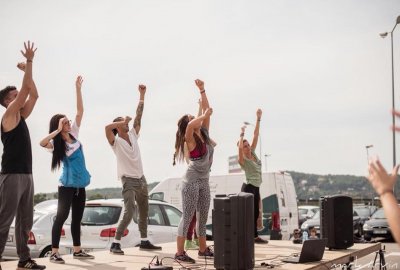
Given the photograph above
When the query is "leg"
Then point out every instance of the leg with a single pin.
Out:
(248, 188)
(65, 195)
(129, 197)
(203, 206)
(78, 206)
(24, 218)
(142, 199)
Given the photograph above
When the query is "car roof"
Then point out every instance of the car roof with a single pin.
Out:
(117, 202)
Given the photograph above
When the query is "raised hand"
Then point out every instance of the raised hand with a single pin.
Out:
(128, 119)
(208, 112)
(61, 123)
(21, 66)
(78, 82)
(259, 113)
(380, 180)
(29, 53)
(142, 89)
(199, 84)
(243, 128)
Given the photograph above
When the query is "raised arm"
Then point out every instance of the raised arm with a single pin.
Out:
(139, 110)
(33, 96)
(204, 102)
(383, 183)
(114, 125)
(46, 141)
(200, 112)
(256, 130)
(79, 101)
(9, 118)
(194, 124)
(240, 147)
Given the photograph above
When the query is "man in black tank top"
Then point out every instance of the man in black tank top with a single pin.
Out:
(16, 182)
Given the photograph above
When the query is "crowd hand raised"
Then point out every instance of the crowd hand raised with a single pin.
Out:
(380, 180)
(78, 82)
(142, 89)
(259, 113)
(199, 84)
(21, 66)
(29, 53)
(243, 128)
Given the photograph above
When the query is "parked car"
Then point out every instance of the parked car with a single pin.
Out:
(306, 212)
(315, 222)
(377, 226)
(39, 240)
(365, 212)
(100, 221)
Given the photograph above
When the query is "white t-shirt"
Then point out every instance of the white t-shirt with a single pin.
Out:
(71, 147)
(129, 161)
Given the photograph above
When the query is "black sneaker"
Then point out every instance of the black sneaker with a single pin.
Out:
(30, 264)
(56, 258)
(146, 245)
(116, 249)
(184, 258)
(259, 240)
(82, 255)
(206, 254)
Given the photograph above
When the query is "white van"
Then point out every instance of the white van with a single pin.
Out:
(279, 201)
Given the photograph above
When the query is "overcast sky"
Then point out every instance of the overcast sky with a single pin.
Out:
(318, 70)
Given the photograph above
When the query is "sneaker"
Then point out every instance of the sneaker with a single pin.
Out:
(259, 240)
(30, 264)
(82, 255)
(206, 253)
(146, 245)
(116, 249)
(191, 244)
(56, 258)
(184, 258)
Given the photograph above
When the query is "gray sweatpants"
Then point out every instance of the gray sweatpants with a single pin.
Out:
(16, 200)
(134, 189)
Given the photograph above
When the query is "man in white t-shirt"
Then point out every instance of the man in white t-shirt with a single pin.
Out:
(130, 172)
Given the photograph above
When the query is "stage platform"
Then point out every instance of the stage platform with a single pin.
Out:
(271, 253)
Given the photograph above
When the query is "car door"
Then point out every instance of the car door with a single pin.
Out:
(173, 215)
(157, 229)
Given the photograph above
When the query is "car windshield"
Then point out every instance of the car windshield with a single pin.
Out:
(37, 215)
(362, 212)
(316, 215)
(303, 211)
(94, 215)
(379, 214)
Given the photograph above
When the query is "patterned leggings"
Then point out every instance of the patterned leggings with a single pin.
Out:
(195, 197)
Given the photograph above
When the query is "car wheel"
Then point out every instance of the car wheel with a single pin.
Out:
(367, 238)
(360, 231)
(46, 252)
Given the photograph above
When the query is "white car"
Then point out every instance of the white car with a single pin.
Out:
(306, 212)
(40, 237)
(100, 221)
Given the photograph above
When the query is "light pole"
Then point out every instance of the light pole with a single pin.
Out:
(265, 156)
(367, 147)
(383, 35)
(259, 138)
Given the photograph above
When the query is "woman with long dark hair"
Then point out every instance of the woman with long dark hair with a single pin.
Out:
(195, 188)
(67, 150)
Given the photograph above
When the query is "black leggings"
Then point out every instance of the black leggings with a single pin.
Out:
(248, 188)
(68, 196)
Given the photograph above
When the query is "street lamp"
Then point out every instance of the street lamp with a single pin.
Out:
(265, 156)
(259, 138)
(367, 147)
(383, 35)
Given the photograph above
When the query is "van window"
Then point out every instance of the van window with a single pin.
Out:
(159, 196)
(174, 215)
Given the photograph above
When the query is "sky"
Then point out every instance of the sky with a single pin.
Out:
(318, 69)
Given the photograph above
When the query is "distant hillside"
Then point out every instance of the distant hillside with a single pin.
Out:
(312, 186)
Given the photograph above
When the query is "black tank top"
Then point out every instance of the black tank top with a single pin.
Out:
(17, 151)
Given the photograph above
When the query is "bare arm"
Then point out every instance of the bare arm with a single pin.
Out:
(110, 127)
(45, 142)
(33, 96)
(192, 125)
(79, 101)
(383, 183)
(240, 147)
(200, 112)
(204, 102)
(11, 116)
(256, 130)
(139, 110)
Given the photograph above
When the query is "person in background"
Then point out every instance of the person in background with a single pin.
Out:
(67, 150)
(130, 172)
(16, 181)
(251, 165)
(313, 233)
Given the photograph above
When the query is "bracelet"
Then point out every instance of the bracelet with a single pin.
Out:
(202, 91)
(241, 134)
(29, 61)
(386, 191)
(258, 120)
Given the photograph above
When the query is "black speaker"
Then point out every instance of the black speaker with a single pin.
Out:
(233, 232)
(337, 221)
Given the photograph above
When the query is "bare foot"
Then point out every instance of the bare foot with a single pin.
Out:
(21, 66)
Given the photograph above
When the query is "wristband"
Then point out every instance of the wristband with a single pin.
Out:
(386, 191)
(202, 91)
(29, 61)
(241, 134)
(258, 120)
